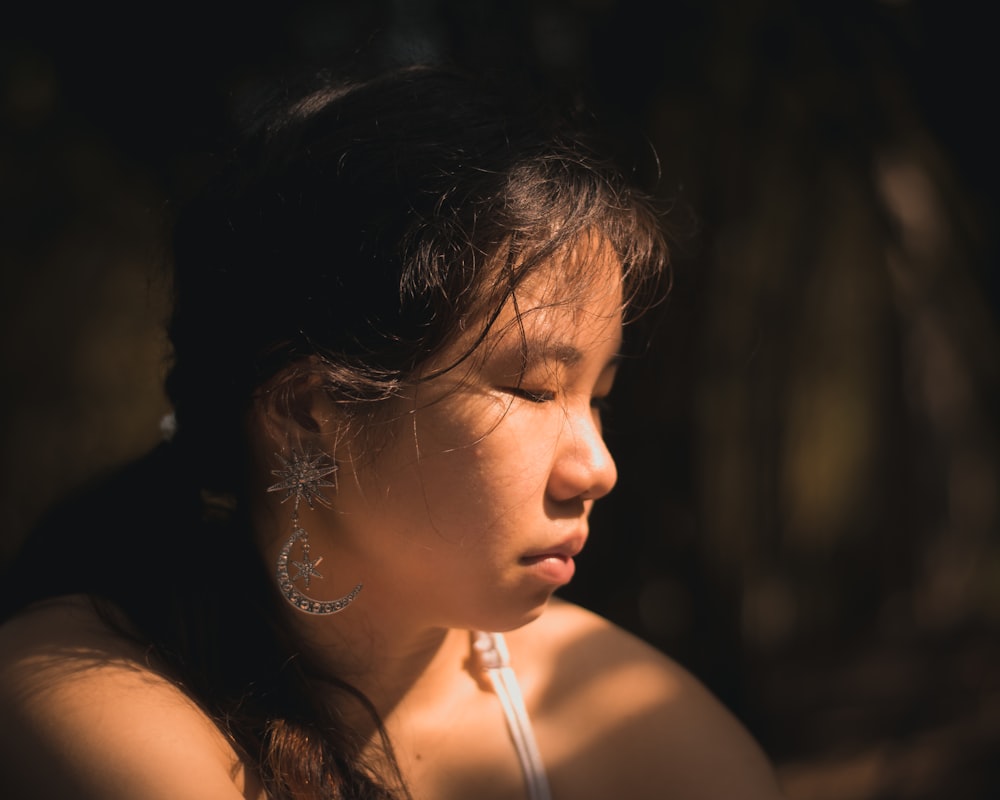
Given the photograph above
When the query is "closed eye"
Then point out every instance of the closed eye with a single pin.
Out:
(531, 395)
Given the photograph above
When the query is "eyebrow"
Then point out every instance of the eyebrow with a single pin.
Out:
(565, 354)
(556, 352)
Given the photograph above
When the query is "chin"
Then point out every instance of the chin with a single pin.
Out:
(520, 618)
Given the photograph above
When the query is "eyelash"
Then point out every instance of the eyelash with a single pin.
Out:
(532, 396)
(599, 404)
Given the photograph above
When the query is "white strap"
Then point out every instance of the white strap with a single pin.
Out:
(495, 659)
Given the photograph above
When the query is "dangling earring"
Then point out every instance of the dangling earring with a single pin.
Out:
(303, 476)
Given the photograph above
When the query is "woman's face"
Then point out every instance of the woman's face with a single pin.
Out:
(471, 515)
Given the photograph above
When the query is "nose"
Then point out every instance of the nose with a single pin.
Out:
(583, 466)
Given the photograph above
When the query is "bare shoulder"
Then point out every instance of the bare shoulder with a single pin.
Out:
(86, 716)
(617, 718)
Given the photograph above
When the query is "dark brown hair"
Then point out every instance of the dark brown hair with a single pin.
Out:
(356, 227)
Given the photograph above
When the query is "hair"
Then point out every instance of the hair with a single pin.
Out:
(355, 230)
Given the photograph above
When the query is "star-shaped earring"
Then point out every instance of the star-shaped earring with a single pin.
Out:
(306, 568)
(302, 477)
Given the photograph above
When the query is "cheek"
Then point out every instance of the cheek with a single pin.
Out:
(513, 461)
(477, 487)
(473, 459)
(461, 423)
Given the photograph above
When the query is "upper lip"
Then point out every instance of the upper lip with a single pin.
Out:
(567, 548)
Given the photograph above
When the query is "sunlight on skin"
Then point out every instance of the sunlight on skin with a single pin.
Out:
(77, 692)
(488, 464)
(624, 720)
(467, 519)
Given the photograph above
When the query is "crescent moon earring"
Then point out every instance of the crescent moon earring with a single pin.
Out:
(303, 476)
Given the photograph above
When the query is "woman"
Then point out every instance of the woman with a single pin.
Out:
(398, 311)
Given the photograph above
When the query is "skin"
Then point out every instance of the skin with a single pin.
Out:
(465, 520)
(488, 470)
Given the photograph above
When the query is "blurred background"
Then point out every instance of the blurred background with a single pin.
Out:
(809, 501)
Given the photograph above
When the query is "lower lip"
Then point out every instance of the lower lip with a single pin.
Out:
(551, 568)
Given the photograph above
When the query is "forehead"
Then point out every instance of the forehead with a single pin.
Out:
(559, 314)
(564, 307)
(581, 286)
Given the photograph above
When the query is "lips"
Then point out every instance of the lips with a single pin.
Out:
(543, 557)
(554, 566)
(563, 551)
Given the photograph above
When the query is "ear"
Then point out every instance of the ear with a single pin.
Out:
(295, 409)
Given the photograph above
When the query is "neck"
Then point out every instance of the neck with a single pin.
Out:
(394, 664)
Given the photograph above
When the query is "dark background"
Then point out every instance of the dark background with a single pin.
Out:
(809, 501)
